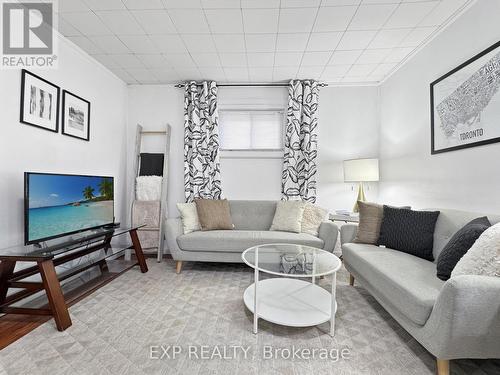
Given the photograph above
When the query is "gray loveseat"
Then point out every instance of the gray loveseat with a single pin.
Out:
(252, 220)
(458, 318)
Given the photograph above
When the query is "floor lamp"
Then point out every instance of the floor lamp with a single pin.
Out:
(360, 171)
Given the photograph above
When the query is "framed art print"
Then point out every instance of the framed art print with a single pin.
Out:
(75, 116)
(39, 102)
(465, 104)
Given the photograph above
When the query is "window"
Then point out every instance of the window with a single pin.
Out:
(251, 130)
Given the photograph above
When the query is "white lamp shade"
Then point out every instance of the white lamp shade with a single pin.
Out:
(361, 170)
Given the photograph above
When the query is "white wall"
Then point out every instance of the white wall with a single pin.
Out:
(348, 128)
(26, 148)
(466, 179)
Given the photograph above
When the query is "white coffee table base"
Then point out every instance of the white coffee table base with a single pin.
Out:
(291, 302)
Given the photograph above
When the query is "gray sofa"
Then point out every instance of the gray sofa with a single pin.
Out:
(459, 318)
(252, 220)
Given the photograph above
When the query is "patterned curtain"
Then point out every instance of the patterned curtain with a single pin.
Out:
(298, 180)
(201, 142)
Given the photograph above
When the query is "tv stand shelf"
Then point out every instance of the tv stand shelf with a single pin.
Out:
(104, 263)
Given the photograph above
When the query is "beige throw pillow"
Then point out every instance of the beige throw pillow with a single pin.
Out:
(312, 218)
(483, 258)
(288, 216)
(214, 214)
(189, 216)
(370, 220)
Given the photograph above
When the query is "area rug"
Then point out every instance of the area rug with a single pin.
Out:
(134, 325)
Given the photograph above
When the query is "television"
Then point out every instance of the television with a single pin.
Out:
(57, 205)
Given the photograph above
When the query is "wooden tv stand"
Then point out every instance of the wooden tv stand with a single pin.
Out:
(105, 259)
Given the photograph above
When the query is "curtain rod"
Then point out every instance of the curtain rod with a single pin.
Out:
(182, 85)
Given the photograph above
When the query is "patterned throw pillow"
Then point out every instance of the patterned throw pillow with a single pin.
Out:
(288, 216)
(312, 218)
(458, 245)
(409, 231)
(189, 217)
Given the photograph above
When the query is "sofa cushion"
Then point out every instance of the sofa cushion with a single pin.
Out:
(408, 282)
(240, 240)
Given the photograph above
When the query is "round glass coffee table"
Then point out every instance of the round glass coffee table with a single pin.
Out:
(289, 300)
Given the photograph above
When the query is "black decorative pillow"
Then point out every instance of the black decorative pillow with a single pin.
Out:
(408, 231)
(458, 245)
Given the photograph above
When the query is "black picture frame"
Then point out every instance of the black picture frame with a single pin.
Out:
(23, 118)
(435, 151)
(85, 103)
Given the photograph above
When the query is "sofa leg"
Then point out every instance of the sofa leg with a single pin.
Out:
(178, 266)
(351, 280)
(443, 366)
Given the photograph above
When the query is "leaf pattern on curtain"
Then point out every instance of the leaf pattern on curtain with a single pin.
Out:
(201, 142)
(298, 180)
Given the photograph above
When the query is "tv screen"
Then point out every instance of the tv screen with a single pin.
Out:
(56, 205)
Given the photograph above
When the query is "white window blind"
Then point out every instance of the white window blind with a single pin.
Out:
(251, 130)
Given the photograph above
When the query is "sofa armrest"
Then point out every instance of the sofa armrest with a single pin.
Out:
(465, 320)
(328, 232)
(348, 233)
(172, 231)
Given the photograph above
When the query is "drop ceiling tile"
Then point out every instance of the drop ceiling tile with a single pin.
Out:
(344, 57)
(154, 21)
(197, 43)
(224, 20)
(107, 60)
(389, 38)
(128, 61)
(236, 74)
(102, 4)
(168, 43)
(409, 14)
(373, 56)
(139, 44)
(335, 71)
(260, 42)
(381, 1)
(292, 42)
(189, 21)
(371, 17)
(352, 40)
(188, 74)
(124, 76)
(230, 42)
(86, 44)
(324, 41)
(120, 22)
(315, 58)
(165, 75)
(288, 58)
(331, 3)
(109, 44)
(334, 18)
(284, 73)
(233, 59)
(142, 75)
(220, 4)
(417, 36)
(153, 60)
(182, 4)
(65, 28)
(383, 69)
(72, 6)
(297, 20)
(87, 23)
(261, 74)
(361, 70)
(261, 4)
(260, 20)
(300, 3)
(206, 59)
(441, 13)
(180, 60)
(258, 59)
(213, 73)
(398, 54)
(356, 79)
(313, 72)
(143, 4)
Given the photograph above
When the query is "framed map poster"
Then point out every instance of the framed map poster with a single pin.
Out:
(465, 104)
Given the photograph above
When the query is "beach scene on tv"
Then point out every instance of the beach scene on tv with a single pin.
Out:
(61, 204)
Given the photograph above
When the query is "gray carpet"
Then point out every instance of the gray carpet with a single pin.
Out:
(114, 327)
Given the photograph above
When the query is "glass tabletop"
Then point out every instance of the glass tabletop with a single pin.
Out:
(291, 260)
(64, 244)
